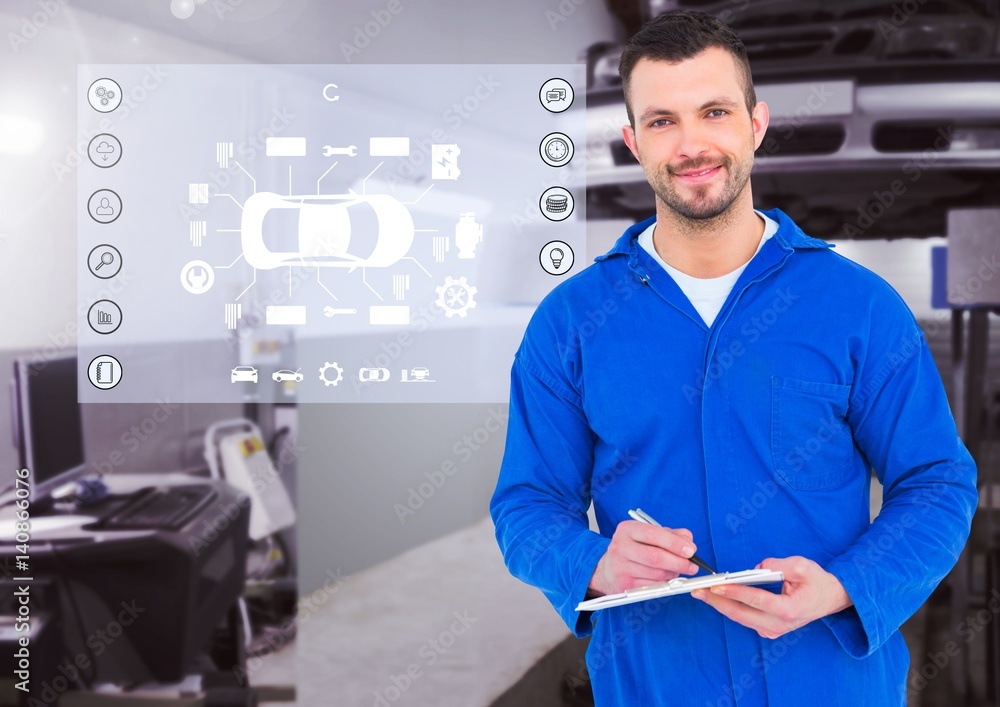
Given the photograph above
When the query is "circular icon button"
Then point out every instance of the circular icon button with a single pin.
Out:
(104, 316)
(556, 258)
(556, 95)
(105, 372)
(556, 149)
(104, 95)
(556, 204)
(104, 206)
(197, 277)
(104, 261)
(104, 150)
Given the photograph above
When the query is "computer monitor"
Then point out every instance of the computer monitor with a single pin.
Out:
(47, 426)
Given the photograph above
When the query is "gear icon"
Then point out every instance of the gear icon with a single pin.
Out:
(334, 366)
(456, 296)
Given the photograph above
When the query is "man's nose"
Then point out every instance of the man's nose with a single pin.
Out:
(693, 141)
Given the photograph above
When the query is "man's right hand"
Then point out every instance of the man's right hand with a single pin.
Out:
(641, 554)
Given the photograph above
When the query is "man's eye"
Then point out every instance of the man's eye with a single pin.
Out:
(720, 111)
(659, 123)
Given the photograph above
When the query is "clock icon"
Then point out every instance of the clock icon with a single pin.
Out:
(556, 149)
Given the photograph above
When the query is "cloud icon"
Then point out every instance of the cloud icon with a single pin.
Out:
(104, 148)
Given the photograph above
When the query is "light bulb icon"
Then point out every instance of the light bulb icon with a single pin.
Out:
(557, 258)
(556, 255)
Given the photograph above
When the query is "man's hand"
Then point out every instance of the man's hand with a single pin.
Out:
(809, 593)
(642, 554)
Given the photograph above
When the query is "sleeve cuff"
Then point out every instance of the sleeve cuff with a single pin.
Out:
(581, 623)
(856, 626)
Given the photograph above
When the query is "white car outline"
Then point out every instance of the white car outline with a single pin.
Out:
(324, 231)
(286, 375)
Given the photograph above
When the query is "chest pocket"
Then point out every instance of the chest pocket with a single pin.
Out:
(811, 443)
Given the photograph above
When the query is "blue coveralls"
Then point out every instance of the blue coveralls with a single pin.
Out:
(758, 434)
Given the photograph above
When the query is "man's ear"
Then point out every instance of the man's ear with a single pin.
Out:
(628, 134)
(759, 119)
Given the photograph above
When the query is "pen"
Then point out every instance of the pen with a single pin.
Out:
(643, 517)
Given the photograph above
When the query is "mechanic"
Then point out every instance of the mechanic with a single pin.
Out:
(738, 381)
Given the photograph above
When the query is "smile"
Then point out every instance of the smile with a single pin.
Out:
(702, 176)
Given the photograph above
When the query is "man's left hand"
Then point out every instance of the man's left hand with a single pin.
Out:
(809, 593)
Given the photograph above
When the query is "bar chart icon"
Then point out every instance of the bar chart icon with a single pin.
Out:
(104, 316)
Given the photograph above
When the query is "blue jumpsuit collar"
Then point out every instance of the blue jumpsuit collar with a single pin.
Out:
(789, 236)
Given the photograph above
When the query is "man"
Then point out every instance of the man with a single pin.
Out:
(738, 381)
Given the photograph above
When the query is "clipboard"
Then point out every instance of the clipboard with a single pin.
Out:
(681, 585)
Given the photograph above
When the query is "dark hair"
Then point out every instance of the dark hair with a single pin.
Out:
(682, 34)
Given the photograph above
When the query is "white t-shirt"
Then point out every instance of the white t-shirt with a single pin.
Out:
(706, 294)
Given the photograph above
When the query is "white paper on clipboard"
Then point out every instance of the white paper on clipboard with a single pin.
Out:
(681, 585)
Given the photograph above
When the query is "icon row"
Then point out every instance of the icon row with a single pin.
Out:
(105, 372)
(331, 373)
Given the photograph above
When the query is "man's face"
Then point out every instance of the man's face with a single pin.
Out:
(693, 136)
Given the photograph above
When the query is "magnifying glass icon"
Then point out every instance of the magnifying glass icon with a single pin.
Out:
(106, 259)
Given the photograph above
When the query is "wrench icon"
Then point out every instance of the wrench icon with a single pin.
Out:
(349, 151)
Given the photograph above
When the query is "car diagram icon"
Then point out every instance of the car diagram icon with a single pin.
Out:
(334, 231)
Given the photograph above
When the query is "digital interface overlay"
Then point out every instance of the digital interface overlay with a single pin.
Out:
(312, 233)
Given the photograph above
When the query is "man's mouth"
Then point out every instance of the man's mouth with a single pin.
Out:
(700, 175)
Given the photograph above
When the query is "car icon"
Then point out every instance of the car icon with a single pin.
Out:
(286, 375)
(244, 373)
(420, 373)
(373, 375)
(332, 231)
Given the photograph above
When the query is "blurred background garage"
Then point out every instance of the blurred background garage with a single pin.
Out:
(885, 139)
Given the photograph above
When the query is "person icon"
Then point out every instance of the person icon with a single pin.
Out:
(105, 208)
